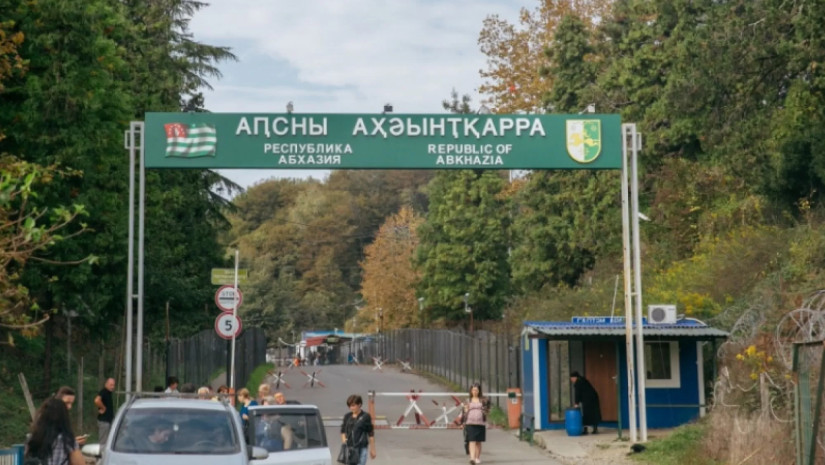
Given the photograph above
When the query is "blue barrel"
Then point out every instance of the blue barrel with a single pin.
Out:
(573, 421)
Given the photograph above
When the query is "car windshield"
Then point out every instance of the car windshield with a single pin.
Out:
(176, 431)
(285, 431)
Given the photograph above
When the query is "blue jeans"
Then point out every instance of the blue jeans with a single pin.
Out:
(365, 452)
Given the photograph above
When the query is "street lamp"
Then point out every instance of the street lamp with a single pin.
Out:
(468, 309)
(69, 315)
(380, 316)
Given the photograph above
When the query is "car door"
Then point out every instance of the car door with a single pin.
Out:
(292, 434)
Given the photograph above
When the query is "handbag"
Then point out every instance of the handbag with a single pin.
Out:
(348, 455)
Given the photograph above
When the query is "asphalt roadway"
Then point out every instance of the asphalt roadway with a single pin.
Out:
(332, 384)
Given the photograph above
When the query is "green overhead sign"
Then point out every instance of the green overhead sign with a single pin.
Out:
(386, 141)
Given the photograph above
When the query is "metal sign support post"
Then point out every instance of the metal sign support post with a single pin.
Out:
(136, 130)
(141, 223)
(628, 306)
(633, 284)
(641, 372)
(235, 315)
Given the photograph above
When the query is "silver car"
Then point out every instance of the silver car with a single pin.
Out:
(176, 431)
(292, 434)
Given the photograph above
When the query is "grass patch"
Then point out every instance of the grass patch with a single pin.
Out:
(498, 417)
(217, 373)
(256, 378)
(678, 448)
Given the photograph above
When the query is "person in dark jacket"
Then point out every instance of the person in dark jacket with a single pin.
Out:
(585, 395)
(357, 430)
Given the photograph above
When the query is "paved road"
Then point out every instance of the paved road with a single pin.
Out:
(400, 446)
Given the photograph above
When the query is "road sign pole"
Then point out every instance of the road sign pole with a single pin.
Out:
(234, 314)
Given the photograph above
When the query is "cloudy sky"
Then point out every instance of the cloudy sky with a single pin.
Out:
(345, 56)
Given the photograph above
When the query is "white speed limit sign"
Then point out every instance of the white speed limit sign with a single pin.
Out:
(228, 325)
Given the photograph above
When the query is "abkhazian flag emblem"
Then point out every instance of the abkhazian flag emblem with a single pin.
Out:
(584, 139)
(195, 140)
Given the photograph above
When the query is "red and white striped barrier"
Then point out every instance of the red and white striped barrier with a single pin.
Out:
(313, 379)
(379, 363)
(419, 415)
(278, 379)
(447, 419)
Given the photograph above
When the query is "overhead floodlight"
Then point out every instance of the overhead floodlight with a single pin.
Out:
(591, 108)
(289, 107)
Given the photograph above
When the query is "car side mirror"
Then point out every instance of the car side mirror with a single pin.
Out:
(257, 453)
(91, 450)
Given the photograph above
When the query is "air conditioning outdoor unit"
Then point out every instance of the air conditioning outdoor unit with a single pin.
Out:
(661, 314)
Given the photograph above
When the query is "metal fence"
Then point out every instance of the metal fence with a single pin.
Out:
(809, 366)
(460, 358)
(12, 455)
(202, 357)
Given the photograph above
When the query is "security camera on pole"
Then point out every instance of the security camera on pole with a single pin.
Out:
(468, 309)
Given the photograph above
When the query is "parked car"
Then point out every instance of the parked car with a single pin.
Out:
(292, 434)
(176, 431)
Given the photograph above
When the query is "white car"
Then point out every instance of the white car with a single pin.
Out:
(292, 434)
(176, 431)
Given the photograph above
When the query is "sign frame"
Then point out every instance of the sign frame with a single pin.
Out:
(388, 141)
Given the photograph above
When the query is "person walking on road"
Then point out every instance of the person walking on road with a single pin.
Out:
(586, 397)
(105, 411)
(67, 395)
(52, 440)
(474, 418)
(357, 430)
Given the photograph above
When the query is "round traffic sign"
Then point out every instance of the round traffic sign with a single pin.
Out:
(228, 325)
(226, 297)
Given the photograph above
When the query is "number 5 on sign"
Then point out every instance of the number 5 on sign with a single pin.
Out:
(227, 325)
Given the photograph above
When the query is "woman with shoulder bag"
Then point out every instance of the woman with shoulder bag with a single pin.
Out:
(357, 434)
(475, 421)
(52, 441)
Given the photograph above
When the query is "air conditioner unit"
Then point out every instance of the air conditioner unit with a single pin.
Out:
(661, 314)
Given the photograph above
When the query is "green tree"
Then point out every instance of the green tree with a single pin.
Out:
(563, 223)
(463, 246)
(571, 65)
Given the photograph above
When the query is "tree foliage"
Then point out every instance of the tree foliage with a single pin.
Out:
(389, 276)
(516, 55)
(90, 68)
(463, 246)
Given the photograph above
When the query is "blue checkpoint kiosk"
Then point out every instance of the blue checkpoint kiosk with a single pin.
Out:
(676, 353)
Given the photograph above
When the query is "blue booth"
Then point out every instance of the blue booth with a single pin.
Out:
(679, 361)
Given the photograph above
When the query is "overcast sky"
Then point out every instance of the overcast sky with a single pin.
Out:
(344, 56)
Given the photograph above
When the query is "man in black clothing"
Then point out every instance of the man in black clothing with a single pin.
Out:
(586, 397)
(105, 410)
